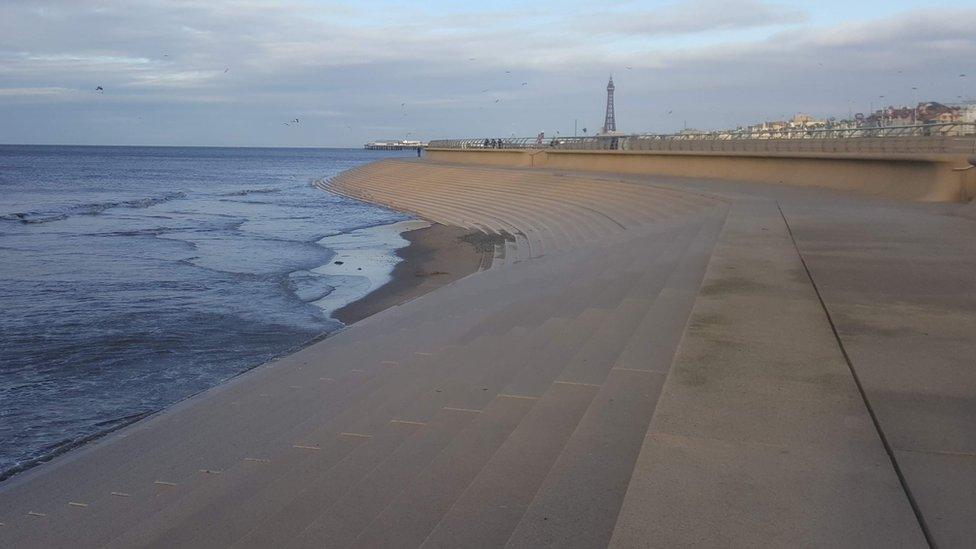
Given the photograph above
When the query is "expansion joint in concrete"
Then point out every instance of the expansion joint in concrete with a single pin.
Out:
(860, 388)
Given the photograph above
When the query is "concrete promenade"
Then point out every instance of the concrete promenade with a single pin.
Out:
(649, 362)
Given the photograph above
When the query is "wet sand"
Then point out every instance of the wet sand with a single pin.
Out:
(437, 255)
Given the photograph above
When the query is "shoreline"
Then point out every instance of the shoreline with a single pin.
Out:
(435, 255)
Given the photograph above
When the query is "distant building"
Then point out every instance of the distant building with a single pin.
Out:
(967, 113)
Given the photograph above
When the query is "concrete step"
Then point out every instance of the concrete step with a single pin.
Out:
(577, 504)
(338, 525)
(490, 508)
(541, 369)
(124, 486)
(299, 509)
(411, 516)
(218, 511)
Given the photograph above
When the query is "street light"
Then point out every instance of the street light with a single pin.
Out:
(914, 105)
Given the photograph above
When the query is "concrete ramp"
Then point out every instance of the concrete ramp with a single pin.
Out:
(761, 437)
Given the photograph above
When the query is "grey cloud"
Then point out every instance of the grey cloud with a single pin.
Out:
(696, 16)
(351, 72)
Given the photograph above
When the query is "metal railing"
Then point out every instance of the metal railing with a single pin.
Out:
(923, 138)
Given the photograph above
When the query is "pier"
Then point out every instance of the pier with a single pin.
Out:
(394, 145)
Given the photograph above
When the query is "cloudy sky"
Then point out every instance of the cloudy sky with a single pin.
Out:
(216, 72)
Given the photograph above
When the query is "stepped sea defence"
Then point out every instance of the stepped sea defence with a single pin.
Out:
(643, 361)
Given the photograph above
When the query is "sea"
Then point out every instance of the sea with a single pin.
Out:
(134, 277)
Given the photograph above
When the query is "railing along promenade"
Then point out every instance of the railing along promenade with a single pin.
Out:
(950, 138)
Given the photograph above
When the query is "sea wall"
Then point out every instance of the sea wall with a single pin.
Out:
(919, 177)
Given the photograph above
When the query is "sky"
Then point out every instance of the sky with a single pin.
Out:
(238, 73)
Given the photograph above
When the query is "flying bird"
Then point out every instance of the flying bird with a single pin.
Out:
(628, 68)
(497, 100)
(484, 90)
(508, 72)
(525, 83)
(99, 89)
(471, 59)
(227, 69)
(669, 112)
(962, 76)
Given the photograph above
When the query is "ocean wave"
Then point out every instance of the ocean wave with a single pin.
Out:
(246, 192)
(93, 208)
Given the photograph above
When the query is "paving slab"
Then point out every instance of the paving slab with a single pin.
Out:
(760, 426)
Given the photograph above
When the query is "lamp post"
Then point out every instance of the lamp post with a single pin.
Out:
(914, 105)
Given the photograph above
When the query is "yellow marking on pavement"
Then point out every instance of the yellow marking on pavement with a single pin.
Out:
(462, 409)
(360, 435)
(407, 422)
(77, 504)
(35, 514)
(119, 494)
(164, 483)
(257, 460)
(305, 447)
(518, 396)
(578, 383)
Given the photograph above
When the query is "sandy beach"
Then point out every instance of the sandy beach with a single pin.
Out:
(435, 256)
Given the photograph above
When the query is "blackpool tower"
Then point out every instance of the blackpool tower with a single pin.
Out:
(609, 124)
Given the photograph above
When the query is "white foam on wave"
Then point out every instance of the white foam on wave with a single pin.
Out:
(364, 261)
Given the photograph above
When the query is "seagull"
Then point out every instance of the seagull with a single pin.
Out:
(403, 104)
(497, 100)
(99, 89)
(227, 69)
(962, 76)
(295, 121)
(525, 83)
(471, 59)
(508, 72)
(669, 112)
(484, 90)
(628, 68)
(286, 123)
